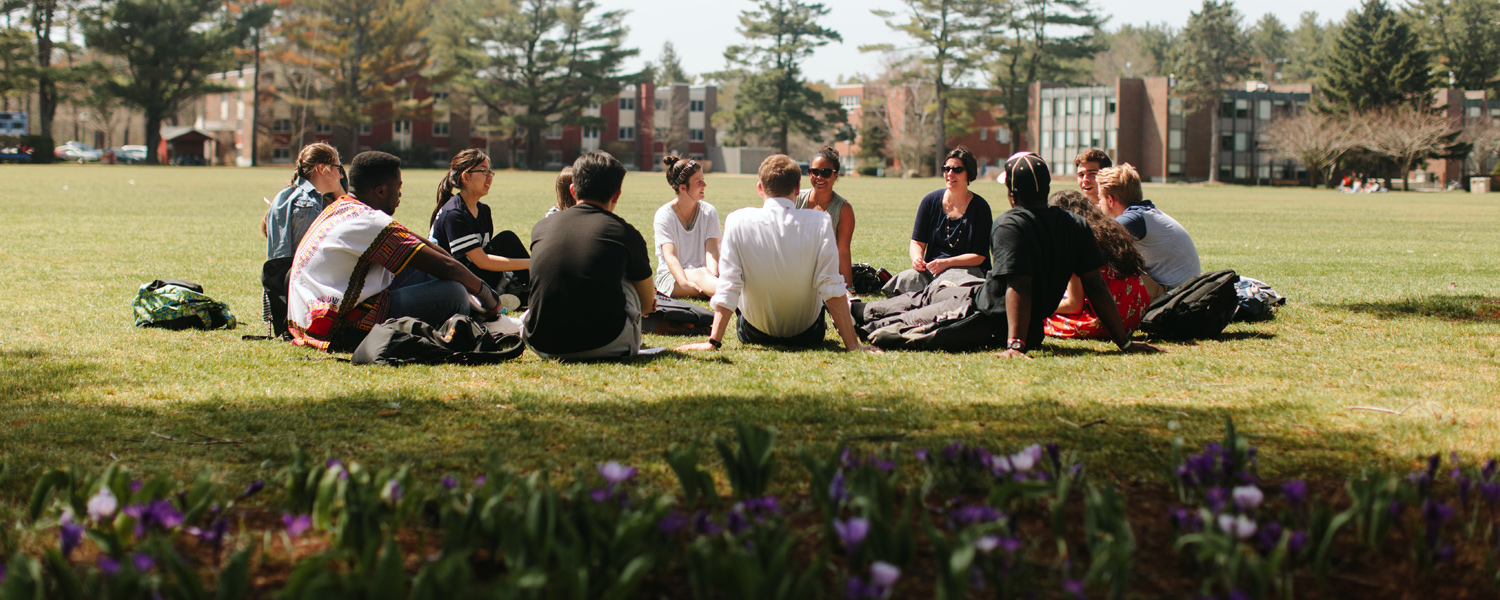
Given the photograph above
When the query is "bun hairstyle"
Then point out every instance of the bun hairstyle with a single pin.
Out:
(1115, 242)
(828, 153)
(679, 170)
(462, 163)
(312, 156)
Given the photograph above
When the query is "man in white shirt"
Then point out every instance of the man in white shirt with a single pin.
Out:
(779, 269)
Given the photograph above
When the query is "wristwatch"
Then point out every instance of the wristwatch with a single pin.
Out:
(1126, 346)
(715, 343)
(1017, 344)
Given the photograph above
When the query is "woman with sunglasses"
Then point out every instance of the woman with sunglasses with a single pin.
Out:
(687, 234)
(462, 226)
(824, 172)
(950, 240)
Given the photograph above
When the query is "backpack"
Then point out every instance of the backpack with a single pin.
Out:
(1258, 301)
(866, 279)
(676, 317)
(176, 304)
(460, 340)
(1199, 308)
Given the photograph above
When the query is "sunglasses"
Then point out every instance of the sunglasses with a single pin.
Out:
(824, 173)
(483, 172)
(953, 169)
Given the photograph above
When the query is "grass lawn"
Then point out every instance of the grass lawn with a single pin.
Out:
(1394, 303)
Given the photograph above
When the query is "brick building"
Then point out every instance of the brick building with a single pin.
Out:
(987, 138)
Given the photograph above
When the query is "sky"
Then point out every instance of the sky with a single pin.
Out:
(702, 31)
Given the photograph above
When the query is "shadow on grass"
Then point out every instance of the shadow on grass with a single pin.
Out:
(30, 373)
(1470, 307)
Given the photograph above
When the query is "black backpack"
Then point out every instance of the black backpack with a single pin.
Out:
(460, 340)
(1200, 308)
(676, 317)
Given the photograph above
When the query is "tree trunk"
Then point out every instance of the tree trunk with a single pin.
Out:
(534, 148)
(783, 139)
(153, 139)
(354, 138)
(255, 108)
(1214, 143)
(940, 146)
(46, 88)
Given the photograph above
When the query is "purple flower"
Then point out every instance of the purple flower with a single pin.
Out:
(142, 562)
(1269, 536)
(846, 459)
(704, 524)
(1465, 487)
(856, 589)
(1027, 458)
(1075, 588)
(252, 489)
(1238, 595)
(479, 481)
(762, 507)
(987, 544)
(884, 465)
(1444, 553)
(953, 451)
(296, 526)
(103, 505)
(109, 566)
(2, 571)
(1433, 462)
(1011, 545)
(837, 492)
(1247, 497)
(214, 535)
(1491, 492)
(393, 491)
(736, 522)
(852, 532)
(616, 473)
(1054, 452)
(1239, 526)
(921, 455)
(1436, 514)
(599, 495)
(1395, 509)
(334, 463)
(69, 534)
(157, 513)
(672, 523)
(1295, 492)
(1297, 542)
(1185, 520)
(884, 574)
(1215, 498)
(135, 486)
(1489, 469)
(450, 483)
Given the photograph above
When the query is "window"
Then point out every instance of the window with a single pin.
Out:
(1046, 108)
(627, 133)
(591, 132)
(1495, 113)
(1226, 141)
(281, 153)
(695, 135)
(983, 133)
(1094, 141)
(1242, 109)
(281, 125)
(1241, 171)
(1070, 106)
(554, 157)
(401, 127)
(1109, 139)
(1098, 106)
(627, 104)
(1264, 172)
(1112, 107)
(438, 157)
(1241, 141)
(1226, 108)
(1174, 139)
(1002, 135)
(1264, 110)
(554, 131)
(1174, 107)
(1045, 139)
(366, 129)
(1474, 112)
(1174, 169)
(1057, 139)
(1226, 172)
(695, 105)
(440, 128)
(659, 133)
(660, 104)
(322, 128)
(439, 97)
(844, 101)
(1084, 106)
(1071, 139)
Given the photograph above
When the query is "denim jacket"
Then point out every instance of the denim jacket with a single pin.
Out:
(292, 212)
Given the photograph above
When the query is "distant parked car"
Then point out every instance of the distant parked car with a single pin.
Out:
(20, 154)
(72, 151)
(131, 154)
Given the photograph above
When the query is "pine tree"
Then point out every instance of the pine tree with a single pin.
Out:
(1268, 46)
(534, 63)
(774, 98)
(669, 67)
(1024, 46)
(1306, 46)
(1462, 37)
(1376, 62)
(1212, 56)
(169, 48)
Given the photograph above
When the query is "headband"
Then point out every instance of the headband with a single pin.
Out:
(685, 174)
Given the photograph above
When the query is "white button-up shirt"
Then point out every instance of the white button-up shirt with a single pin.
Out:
(778, 265)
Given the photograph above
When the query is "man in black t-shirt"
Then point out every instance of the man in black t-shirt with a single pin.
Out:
(1035, 249)
(590, 274)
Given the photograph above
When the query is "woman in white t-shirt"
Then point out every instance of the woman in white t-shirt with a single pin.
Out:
(687, 235)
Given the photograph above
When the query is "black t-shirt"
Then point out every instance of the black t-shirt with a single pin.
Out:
(579, 259)
(1051, 245)
(458, 232)
(945, 237)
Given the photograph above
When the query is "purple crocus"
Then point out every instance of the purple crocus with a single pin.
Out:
(1489, 469)
(254, 488)
(1075, 588)
(1491, 492)
(672, 523)
(838, 493)
(1297, 542)
(856, 589)
(599, 495)
(142, 562)
(1215, 499)
(1247, 497)
(135, 486)
(214, 535)
(1435, 514)
(69, 534)
(704, 524)
(852, 532)
(108, 565)
(479, 481)
(921, 455)
(1054, 452)
(296, 525)
(1011, 545)
(616, 473)
(885, 465)
(762, 507)
(393, 491)
(1239, 526)
(884, 574)
(450, 483)
(103, 505)
(1295, 492)
(159, 514)
(735, 521)
(1269, 536)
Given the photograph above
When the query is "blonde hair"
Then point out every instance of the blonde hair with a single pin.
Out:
(1122, 183)
(780, 176)
(313, 155)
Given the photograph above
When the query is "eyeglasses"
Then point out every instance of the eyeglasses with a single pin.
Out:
(953, 169)
(824, 173)
(482, 172)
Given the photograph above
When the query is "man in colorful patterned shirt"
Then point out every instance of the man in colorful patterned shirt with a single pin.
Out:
(357, 267)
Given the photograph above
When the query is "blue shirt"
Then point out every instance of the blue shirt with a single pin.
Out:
(1170, 256)
(293, 210)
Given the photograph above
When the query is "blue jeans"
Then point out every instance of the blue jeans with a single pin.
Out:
(427, 298)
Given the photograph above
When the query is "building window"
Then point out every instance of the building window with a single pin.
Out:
(1174, 107)
(1084, 106)
(627, 133)
(1174, 169)
(1242, 109)
(1094, 141)
(1495, 113)
(1226, 108)
(659, 133)
(440, 128)
(401, 127)
(1109, 139)
(554, 157)
(1071, 139)
(591, 132)
(439, 97)
(1174, 139)
(695, 135)
(281, 125)
(438, 157)
(1112, 107)
(554, 131)
(627, 104)
(1241, 141)
(281, 153)
(695, 105)
(1070, 106)
(1226, 141)
(1264, 172)
(1057, 139)
(322, 128)
(366, 129)
(1002, 135)
(1098, 106)
(1226, 172)
(660, 104)
(982, 133)
(1046, 139)
(1241, 172)
(1264, 108)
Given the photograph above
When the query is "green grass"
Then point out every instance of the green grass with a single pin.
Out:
(1393, 303)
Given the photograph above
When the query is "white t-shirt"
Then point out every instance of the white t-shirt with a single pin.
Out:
(690, 242)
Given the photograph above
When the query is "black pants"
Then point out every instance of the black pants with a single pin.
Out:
(505, 244)
(813, 336)
(274, 284)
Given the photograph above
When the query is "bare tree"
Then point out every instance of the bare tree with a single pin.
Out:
(1316, 140)
(1482, 136)
(1405, 134)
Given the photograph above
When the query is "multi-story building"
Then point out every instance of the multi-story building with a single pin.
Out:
(986, 137)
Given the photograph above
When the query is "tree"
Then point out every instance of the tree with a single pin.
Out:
(1316, 140)
(1268, 46)
(946, 33)
(1481, 139)
(669, 67)
(1377, 61)
(774, 99)
(15, 46)
(44, 19)
(1039, 40)
(363, 54)
(1462, 37)
(1306, 46)
(1406, 134)
(169, 47)
(874, 133)
(1211, 56)
(1134, 51)
(536, 62)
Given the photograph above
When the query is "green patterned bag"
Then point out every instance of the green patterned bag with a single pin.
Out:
(175, 304)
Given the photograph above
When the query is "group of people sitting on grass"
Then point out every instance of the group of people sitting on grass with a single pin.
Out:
(338, 263)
